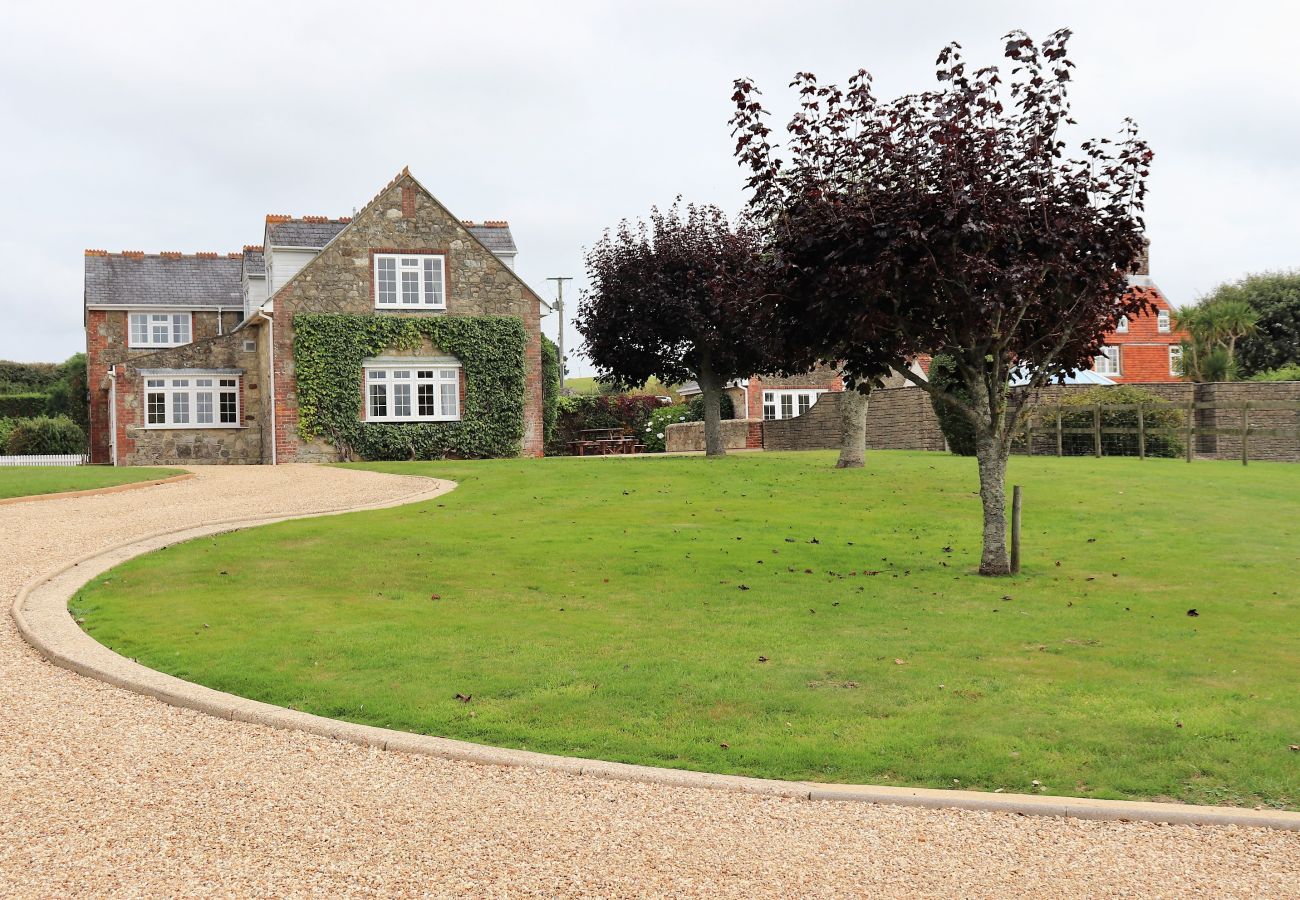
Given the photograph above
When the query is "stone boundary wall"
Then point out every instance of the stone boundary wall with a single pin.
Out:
(737, 434)
(898, 418)
(1278, 447)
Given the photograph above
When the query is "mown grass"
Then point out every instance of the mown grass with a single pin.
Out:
(768, 615)
(28, 481)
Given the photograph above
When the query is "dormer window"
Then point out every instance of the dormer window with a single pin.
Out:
(1162, 321)
(410, 281)
(169, 329)
(1122, 326)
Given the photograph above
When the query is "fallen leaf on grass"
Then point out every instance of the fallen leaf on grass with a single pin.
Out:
(464, 698)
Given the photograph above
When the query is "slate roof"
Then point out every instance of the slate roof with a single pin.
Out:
(254, 261)
(137, 279)
(314, 233)
(495, 236)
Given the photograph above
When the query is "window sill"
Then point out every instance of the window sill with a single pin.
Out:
(157, 346)
(414, 307)
(195, 427)
(405, 421)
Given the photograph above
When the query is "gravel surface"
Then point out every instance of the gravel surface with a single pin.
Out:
(108, 793)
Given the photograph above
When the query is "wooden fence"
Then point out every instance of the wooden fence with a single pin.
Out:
(1197, 428)
(72, 459)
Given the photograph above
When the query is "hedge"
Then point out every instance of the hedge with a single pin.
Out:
(43, 434)
(958, 430)
(23, 406)
(630, 412)
(328, 352)
(27, 378)
(550, 388)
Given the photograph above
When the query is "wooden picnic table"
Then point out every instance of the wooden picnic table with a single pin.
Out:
(605, 442)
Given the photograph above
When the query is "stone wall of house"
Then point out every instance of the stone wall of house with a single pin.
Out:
(737, 434)
(107, 333)
(824, 377)
(139, 445)
(340, 280)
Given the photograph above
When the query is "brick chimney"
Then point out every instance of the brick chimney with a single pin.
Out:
(1141, 274)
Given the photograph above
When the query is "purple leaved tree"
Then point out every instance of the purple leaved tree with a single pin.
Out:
(949, 221)
(671, 299)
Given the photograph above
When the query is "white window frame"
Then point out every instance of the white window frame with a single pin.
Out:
(789, 403)
(393, 393)
(1109, 361)
(424, 273)
(176, 324)
(1175, 358)
(182, 399)
(1163, 323)
(1121, 327)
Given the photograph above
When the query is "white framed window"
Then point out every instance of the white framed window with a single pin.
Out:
(1121, 327)
(412, 391)
(1107, 362)
(410, 281)
(789, 403)
(1162, 321)
(193, 400)
(165, 329)
(1175, 359)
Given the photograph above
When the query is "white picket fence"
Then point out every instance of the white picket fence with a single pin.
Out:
(71, 459)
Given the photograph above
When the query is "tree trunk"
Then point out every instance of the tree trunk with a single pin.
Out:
(711, 387)
(853, 428)
(993, 495)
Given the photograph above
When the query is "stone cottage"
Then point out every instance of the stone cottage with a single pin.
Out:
(208, 358)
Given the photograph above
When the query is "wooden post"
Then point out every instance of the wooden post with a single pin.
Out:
(1191, 423)
(1245, 431)
(1059, 451)
(1142, 434)
(1096, 430)
(1015, 530)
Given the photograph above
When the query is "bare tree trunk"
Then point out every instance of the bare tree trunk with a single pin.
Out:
(991, 455)
(711, 387)
(853, 428)
(993, 495)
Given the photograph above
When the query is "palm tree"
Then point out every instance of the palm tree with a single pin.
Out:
(1215, 326)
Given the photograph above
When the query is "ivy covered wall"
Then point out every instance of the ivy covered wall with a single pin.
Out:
(328, 351)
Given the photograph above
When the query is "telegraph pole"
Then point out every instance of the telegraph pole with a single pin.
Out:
(559, 306)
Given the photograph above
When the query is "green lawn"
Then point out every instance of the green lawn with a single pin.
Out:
(768, 615)
(26, 481)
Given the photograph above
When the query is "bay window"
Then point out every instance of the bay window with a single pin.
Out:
(191, 400)
(166, 329)
(410, 281)
(412, 390)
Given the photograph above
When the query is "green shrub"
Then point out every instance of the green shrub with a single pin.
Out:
(957, 429)
(27, 378)
(6, 428)
(45, 434)
(550, 388)
(68, 396)
(1163, 422)
(630, 412)
(655, 436)
(1289, 372)
(696, 404)
(23, 406)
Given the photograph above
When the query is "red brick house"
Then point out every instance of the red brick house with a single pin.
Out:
(192, 358)
(1145, 350)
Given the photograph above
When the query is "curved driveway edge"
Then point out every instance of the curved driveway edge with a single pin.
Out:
(41, 613)
(95, 492)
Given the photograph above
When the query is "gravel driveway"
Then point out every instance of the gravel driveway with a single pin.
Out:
(105, 792)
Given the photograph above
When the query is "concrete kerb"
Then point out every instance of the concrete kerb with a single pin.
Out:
(42, 616)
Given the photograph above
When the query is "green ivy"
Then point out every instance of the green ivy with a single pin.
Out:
(550, 389)
(328, 351)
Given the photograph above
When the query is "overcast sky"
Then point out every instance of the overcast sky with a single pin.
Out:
(178, 126)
